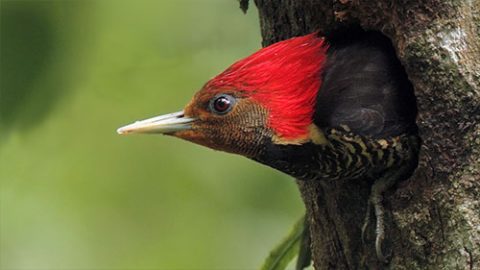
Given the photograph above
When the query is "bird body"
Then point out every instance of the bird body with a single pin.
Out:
(316, 108)
(364, 116)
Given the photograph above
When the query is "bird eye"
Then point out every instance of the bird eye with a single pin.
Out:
(222, 104)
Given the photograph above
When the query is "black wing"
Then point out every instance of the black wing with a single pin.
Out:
(365, 87)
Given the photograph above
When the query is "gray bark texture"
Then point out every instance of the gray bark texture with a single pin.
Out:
(433, 218)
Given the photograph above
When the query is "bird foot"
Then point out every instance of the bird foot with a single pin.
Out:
(375, 203)
(366, 221)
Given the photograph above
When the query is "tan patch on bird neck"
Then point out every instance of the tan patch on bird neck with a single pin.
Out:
(315, 135)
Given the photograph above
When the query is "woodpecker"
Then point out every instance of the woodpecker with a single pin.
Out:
(316, 108)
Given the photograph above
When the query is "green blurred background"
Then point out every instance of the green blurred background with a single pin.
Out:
(74, 194)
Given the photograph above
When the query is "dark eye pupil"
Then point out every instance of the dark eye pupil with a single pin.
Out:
(221, 104)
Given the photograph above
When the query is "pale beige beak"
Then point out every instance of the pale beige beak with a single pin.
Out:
(164, 124)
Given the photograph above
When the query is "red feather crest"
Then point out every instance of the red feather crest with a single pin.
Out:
(284, 77)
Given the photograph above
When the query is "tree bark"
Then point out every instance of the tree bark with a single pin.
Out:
(433, 219)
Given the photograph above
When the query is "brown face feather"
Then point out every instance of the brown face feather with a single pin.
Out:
(242, 131)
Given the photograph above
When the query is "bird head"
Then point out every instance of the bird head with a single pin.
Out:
(266, 98)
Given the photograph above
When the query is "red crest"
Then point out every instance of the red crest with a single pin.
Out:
(284, 77)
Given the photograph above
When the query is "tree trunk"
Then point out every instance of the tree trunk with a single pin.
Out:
(433, 219)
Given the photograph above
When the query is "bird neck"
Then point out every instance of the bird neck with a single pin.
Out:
(344, 155)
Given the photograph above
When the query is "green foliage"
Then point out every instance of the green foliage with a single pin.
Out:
(287, 250)
(73, 193)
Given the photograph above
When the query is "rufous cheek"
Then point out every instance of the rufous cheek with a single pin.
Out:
(193, 136)
(240, 131)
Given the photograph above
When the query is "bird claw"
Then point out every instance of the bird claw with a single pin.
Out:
(375, 203)
(376, 199)
(366, 221)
